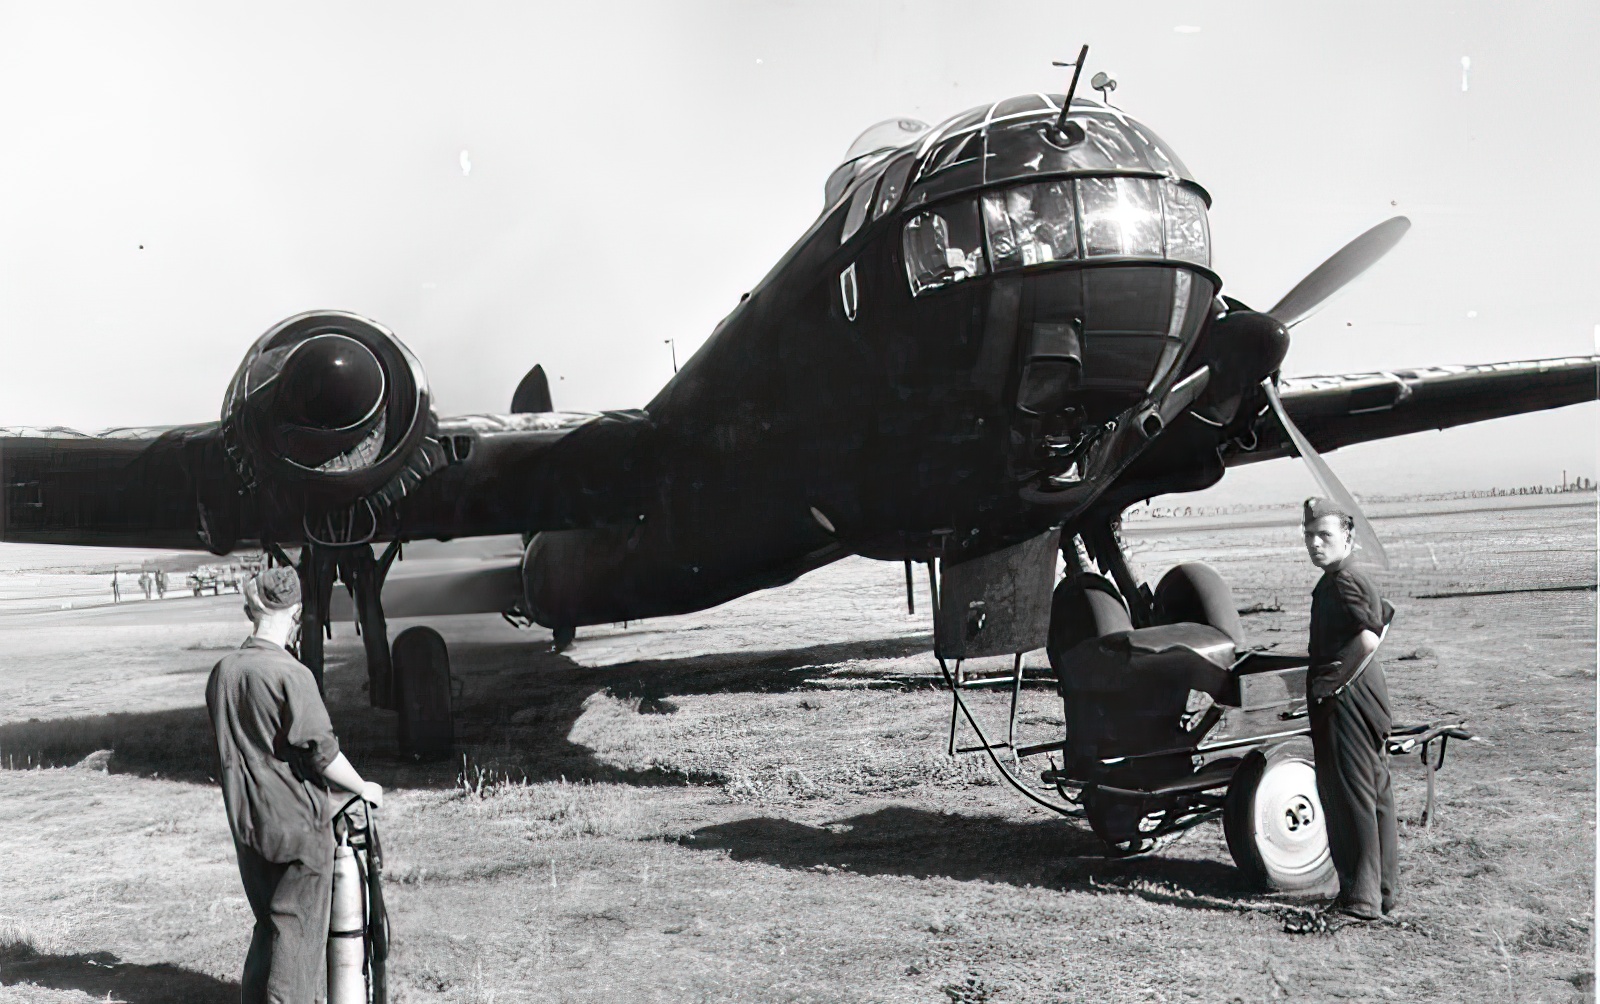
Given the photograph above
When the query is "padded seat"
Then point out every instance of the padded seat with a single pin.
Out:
(1203, 640)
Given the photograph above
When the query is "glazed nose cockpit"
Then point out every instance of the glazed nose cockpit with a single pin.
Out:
(1081, 240)
(1112, 333)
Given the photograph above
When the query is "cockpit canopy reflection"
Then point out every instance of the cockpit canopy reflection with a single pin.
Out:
(1053, 221)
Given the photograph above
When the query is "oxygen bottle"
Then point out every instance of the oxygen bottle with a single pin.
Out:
(347, 924)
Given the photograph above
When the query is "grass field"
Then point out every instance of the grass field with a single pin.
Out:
(753, 804)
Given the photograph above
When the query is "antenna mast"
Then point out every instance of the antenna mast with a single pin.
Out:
(1077, 68)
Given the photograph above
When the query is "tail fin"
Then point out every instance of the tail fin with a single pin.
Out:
(533, 393)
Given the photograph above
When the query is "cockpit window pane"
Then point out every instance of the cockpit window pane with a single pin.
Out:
(1031, 224)
(856, 215)
(1121, 216)
(1020, 103)
(1062, 219)
(893, 185)
(943, 246)
(1188, 233)
(952, 152)
(966, 120)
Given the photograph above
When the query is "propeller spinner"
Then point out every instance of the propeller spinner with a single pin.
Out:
(1301, 302)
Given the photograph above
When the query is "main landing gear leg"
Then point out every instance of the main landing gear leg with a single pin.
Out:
(1102, 539)
(365, 574)
(317, 565)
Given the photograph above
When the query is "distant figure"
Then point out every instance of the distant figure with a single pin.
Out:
(145, 584)
(276, 755)
(116, 588)
(161, 584)
(1350, 717)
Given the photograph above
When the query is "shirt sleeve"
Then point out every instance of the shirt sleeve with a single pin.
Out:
(1360, 600)
(307, 728)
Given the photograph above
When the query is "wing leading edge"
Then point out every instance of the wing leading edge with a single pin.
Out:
(1335, 411)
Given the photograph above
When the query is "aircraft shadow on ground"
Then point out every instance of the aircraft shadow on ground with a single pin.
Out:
(918, 843)
(518, 706)
(103, 976)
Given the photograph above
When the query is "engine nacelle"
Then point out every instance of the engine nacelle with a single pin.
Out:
(574, 577)
(329, 409)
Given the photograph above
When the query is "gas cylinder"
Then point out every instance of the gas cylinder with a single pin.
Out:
(347, 983)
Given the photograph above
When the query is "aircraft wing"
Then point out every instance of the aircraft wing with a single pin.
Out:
(179, 488)
(1335, 411)
(158, 487)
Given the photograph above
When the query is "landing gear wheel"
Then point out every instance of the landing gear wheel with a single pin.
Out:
(422, 694)
(1274, 822)
(562, 636)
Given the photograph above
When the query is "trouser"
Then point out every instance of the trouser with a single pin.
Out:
(1348, 733)
(288, 956)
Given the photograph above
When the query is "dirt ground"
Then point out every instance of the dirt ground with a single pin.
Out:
(753, 804)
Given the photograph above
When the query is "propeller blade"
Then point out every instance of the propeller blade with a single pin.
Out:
(1332, 275)
(1329, 482)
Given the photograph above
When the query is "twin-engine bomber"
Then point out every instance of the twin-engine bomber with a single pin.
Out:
(1002, 330)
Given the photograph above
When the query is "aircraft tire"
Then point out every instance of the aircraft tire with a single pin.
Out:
(422, 695)
(1195, 592)
(562, 637)
(1083, 607)
(1274, 822)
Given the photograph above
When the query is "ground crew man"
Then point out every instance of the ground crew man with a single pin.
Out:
(277, 755)
(1350, 716)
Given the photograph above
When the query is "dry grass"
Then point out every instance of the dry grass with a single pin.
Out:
(734, 825)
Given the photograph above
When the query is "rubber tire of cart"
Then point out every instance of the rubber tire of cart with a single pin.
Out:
(1195, 592)
(1239, 811)
(1083, 607)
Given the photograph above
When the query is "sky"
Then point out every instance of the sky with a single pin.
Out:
(504, 184)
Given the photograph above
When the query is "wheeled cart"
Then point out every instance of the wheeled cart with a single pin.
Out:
(1171, 725)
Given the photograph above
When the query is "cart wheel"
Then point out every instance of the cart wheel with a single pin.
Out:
(1126, 823)
(1274, 823)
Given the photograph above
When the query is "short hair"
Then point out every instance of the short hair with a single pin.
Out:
(272, 590)
(1317, 508)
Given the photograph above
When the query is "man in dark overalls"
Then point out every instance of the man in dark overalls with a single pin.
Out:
(277, 755)
(1350, 717)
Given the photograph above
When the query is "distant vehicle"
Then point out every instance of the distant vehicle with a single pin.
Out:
(1172, 724)
(216, 578)
(203, 578)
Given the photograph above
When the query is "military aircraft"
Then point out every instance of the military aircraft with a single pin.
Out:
(999, 329)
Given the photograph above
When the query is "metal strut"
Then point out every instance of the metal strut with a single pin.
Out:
(957, 705)
(989, 748)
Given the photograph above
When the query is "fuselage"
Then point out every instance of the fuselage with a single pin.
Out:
(956, 356)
